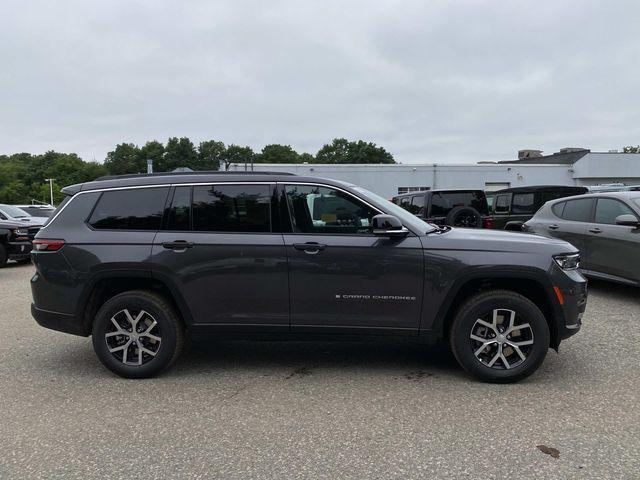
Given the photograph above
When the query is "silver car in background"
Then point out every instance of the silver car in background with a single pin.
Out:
(605, 227)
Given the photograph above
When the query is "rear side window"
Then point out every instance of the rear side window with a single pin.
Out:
(231, 208)
(523, 203)
(179, 214)
(418, 204)
(134, 209)
(607, 209)
(502, 204)
(443, 202)
(578, 210)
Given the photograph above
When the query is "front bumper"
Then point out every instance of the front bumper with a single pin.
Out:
(573, 289)
(62, 322)
(18, 250)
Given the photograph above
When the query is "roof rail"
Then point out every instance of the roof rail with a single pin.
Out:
(201, 172)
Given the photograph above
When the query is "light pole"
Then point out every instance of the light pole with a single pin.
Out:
(50, 180)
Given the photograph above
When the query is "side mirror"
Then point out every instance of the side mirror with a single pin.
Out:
(627, 220)
(388, 226)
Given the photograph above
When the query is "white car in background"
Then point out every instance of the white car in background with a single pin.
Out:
(15, 214)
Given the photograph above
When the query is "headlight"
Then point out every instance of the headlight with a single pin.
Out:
(568, 261)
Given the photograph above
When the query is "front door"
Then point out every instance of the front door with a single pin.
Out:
(230, 268)
(613, 249)
(341, 276)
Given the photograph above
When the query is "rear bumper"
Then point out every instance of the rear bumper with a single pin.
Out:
(61, 322)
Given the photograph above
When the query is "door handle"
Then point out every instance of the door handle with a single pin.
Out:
(177, 245)
(595, 230)
(310, 248)
(553, 227)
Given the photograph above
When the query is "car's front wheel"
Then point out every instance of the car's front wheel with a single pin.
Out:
(499, 336)
(137, 334)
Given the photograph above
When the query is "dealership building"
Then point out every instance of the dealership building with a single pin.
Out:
(569, 166)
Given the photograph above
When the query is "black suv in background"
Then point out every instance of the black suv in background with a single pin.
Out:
(138, 262)
(456, 208)
(15, 240)
(511, 207)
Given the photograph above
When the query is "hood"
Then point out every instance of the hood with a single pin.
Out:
(23, 222)
(497, 241)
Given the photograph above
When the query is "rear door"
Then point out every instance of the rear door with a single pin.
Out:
(571, 225)
(341, 276)
(218, 247)
(613, 249)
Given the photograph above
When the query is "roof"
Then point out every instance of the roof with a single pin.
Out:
(568, 158)
(191, 178)
(440, 190)
(539, 188)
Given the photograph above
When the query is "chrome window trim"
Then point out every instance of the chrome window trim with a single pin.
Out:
(163, 185)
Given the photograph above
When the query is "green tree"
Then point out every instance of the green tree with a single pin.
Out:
(237, 154)
(276, 153)
(125, 158)
(307, 158)
(210, 155)
(631, 149)
(154, 151)
(179, 152)
(340, 150)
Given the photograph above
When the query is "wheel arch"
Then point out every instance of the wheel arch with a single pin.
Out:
(109, 284)
(528, 283)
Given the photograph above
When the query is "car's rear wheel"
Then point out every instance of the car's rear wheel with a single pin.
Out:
(137, 334)
(499, 336)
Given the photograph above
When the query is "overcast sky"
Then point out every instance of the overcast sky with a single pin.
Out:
(431, 81)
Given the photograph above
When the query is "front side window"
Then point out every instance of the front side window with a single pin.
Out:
(523, 203)
(231, 208)
(131, 209)
(607, 209)
(316, 209)
(578, 210)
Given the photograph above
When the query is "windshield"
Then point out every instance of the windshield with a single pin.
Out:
(14, 212)
(405, 217)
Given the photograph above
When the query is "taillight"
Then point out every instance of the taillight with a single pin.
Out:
(487, 222)
(46, 245)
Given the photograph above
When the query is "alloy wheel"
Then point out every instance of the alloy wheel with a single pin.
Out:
(501, 340)
(133, 338)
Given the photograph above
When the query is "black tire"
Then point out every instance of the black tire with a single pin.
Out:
(3, 256)
(482, 306)
(467, 217)
(168, 328)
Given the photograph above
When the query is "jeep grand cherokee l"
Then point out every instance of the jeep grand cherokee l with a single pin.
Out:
(138, 262)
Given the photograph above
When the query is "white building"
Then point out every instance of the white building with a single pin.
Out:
(568, 167)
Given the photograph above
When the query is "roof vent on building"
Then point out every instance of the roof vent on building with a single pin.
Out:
(528, 153)
(573, 150)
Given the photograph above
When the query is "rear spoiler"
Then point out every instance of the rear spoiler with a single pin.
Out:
(71, 190)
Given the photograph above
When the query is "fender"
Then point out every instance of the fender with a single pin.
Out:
(483, 273)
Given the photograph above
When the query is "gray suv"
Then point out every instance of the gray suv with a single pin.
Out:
(605, 227)
(139, 262)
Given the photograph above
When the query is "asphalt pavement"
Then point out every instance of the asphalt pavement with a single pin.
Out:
(318, 410)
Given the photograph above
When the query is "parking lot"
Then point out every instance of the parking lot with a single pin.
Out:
(318, 410)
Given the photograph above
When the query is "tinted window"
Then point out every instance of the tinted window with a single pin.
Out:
(558, 208)
(443, 202)
(523, 203)
(502, 204)
(578, 210)
(136, 209)
(326, 210)
(231, 208)
(607, 209)
(417, 205)
(179, 214)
